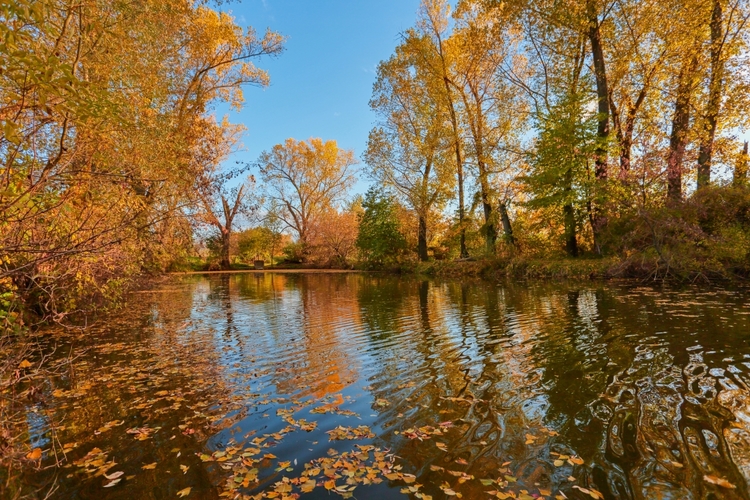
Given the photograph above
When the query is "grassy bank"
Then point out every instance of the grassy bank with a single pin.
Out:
(643, 266)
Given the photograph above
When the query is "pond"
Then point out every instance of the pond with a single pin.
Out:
(372, 386)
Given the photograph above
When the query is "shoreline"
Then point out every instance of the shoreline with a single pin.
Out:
(271, 270)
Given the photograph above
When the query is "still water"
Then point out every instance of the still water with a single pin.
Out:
(374, 387)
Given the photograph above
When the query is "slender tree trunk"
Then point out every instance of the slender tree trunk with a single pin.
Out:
(714, 98)
(422, 239)
(740, 168)
(476, 122)
(602, 92)
(507, 228)
(602, 132)
(225, 242)
(680, 126)
(490, 235)
(571, 244)
(459, 165)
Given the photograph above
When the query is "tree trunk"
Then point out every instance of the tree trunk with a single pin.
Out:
(490, 234)
(680, 126)
(225, 241)
(507, 228)
(602, 92)
(714, 98)
(740, 169)
(602, 132)
(461, 208)
(422, 239)
(571, 244)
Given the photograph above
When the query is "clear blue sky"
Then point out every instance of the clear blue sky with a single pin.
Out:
(321, 84)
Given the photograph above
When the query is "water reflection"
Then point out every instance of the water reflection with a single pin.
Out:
(648, 387)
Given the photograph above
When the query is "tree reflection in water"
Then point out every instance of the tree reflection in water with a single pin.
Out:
(546, 388)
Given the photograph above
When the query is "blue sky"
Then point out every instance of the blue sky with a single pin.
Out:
(321, 84)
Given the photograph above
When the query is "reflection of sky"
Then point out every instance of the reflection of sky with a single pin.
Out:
(393, 349)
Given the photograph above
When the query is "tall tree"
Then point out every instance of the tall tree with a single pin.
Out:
(407, 150)
(220, 206)
(492, 108)
(306, 178)
(432, 24)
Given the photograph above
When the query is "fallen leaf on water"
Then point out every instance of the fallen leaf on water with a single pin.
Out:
(149, 466)
(719, 482)
(184, 493)
(442, 446)
(592, 492)
(112, 483)
(114, 475)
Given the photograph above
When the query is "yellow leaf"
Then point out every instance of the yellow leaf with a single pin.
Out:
(34, 454)
(149, 466)
(308, 486)
(25, 364)
(719, 482)
(184, 493)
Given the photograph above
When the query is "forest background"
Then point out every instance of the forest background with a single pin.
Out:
(577, 137)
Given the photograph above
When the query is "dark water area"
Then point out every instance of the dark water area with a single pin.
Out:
(372, 387)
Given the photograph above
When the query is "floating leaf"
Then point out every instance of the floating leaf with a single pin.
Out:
(114, 475)
(149, 466)
(184, 492)
(719, 482)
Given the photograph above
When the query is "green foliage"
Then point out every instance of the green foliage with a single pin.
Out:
(562, 159)
(379, 240)
(256, 242)
(294, 252)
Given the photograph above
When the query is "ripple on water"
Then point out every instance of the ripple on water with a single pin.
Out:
(469, 387)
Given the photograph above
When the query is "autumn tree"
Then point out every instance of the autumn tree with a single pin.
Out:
(306, 178)
(429, 40)
(493, 109)
(409, 149)
(220, 205)
(104, 109)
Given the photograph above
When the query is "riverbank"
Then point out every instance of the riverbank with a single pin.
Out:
(636, 267)
(298, 270)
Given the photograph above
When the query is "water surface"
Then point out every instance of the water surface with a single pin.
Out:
(388, 387)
